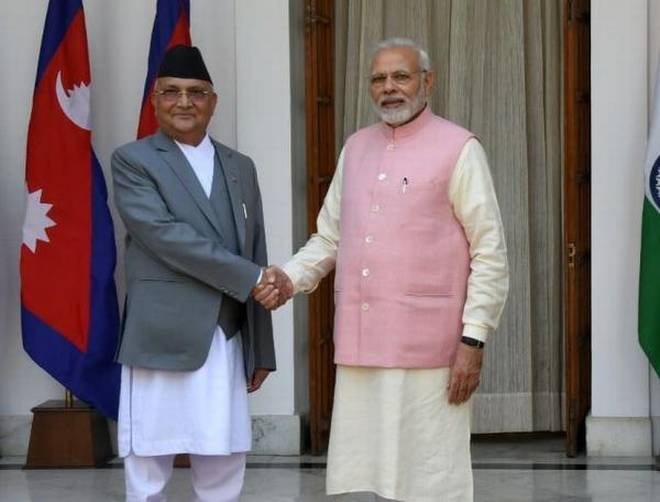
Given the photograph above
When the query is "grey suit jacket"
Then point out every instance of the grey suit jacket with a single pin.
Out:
(177, 270)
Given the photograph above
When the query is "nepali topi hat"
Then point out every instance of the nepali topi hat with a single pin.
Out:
(183, 61)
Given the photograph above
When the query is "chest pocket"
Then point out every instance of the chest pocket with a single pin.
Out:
(418, 201)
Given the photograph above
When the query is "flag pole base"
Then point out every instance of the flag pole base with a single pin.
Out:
(67, 435)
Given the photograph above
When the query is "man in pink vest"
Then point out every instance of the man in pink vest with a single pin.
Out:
(412, 225)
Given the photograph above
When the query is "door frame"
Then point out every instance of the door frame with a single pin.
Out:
(577, 221)
(320, 155)
(319, 116)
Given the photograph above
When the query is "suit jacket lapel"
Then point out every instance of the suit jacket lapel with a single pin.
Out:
(179, 164)
(231, 172)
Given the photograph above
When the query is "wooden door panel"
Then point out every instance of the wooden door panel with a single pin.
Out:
(577, 220)
(320, 149)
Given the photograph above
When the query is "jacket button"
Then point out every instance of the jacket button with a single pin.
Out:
(365, 272)
(369, 239)
(382, 177)
(365, 306)
(375, 208)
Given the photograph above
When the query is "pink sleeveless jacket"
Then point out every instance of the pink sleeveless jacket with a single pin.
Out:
(403, 260)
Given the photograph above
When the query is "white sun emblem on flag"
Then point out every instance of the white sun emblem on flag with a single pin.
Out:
(36, 220)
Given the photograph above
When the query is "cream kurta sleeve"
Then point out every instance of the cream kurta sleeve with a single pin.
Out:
(317, 258)
(473, 198)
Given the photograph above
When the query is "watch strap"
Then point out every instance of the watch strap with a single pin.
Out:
(472, 342)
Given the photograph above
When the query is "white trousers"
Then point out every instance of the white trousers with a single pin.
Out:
(215, 478)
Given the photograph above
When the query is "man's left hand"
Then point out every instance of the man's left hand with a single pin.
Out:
(260, 374)
(464, 374)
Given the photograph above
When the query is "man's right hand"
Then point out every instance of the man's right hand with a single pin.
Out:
(274, 289)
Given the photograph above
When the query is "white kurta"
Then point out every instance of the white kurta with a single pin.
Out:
(201, 412)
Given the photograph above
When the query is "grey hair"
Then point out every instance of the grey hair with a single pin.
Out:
(400, 42)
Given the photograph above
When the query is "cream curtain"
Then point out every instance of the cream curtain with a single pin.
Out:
(498, 65)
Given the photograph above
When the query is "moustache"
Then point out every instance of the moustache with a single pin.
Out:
(391, 100)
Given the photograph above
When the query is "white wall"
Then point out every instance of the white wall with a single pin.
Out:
(264, 131)
(246, 47)
(619, 83)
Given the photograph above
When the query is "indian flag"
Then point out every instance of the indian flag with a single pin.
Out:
(649, 275)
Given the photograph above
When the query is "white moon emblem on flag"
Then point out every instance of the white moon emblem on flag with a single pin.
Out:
(74, 102)
(36, 220)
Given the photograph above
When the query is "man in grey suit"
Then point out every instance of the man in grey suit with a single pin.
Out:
(194, 340)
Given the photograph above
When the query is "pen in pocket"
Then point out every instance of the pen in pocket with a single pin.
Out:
(404, 185)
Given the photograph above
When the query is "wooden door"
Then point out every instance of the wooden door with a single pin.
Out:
(319, 120)
(577, 220)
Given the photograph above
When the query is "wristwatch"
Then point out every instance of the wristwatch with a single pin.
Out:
(472, 342)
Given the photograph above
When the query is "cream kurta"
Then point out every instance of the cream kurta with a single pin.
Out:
(201, 412)
(394, 434)
(393, 431)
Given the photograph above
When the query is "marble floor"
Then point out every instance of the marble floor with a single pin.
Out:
(532, 469)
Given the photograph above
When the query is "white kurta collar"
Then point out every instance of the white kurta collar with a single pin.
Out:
(204, 146)
(201, 158)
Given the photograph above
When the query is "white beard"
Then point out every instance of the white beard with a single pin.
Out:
(403, 113)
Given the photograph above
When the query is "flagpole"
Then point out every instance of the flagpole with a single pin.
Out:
(68, 399)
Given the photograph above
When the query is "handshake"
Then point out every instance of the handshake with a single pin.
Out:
(274, 289)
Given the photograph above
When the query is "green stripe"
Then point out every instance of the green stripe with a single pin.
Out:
(649, 286)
